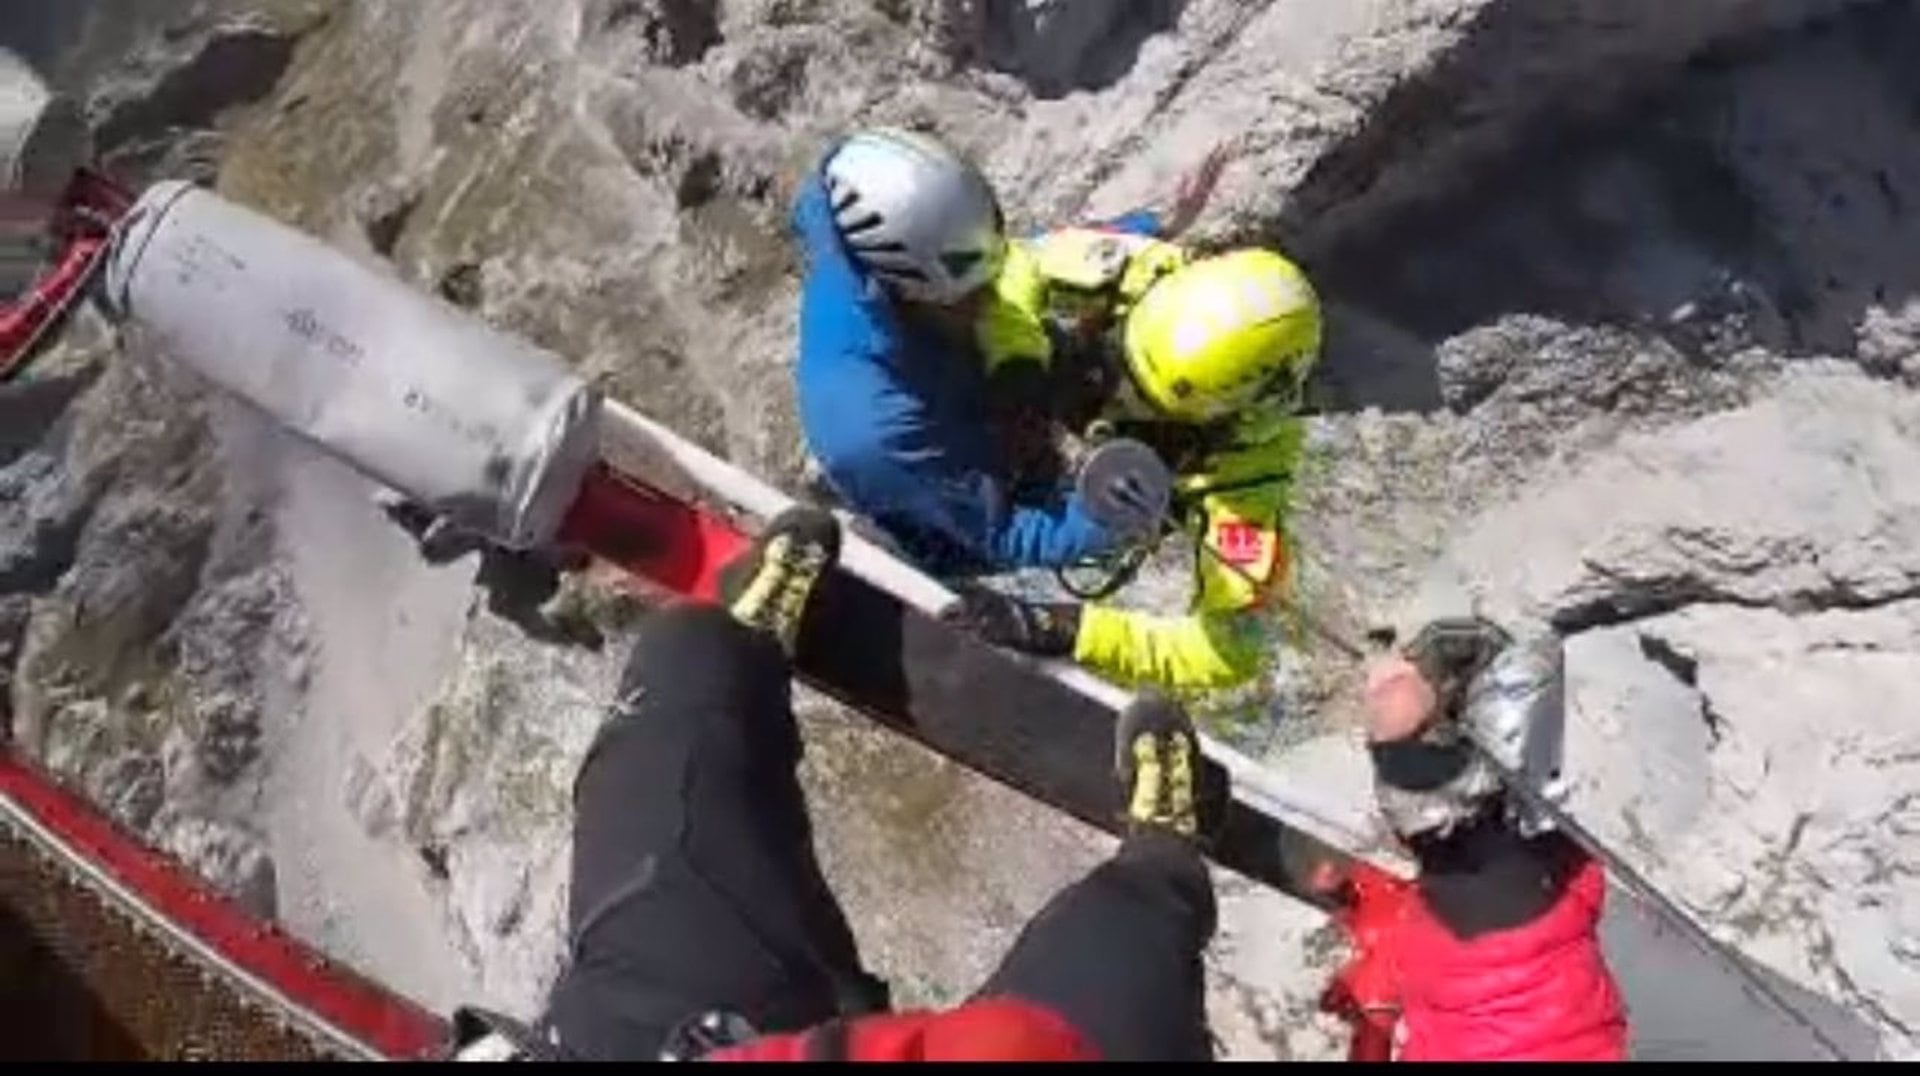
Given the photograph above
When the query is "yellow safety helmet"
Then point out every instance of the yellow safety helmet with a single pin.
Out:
(1222, 333)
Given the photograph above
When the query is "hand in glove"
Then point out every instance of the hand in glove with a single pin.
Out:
(1039, 628)
(1126, 487)
(439, 541)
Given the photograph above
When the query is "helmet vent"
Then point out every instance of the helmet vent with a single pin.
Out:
(959, 263)
(864, 224)
(844, 197)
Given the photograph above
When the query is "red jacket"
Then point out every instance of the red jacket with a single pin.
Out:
(999, 1029)
(1541, 992)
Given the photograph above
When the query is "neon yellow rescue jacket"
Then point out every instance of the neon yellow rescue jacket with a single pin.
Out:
(1076, 284)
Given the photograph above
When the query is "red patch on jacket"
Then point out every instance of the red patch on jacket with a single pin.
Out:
(1240, 544)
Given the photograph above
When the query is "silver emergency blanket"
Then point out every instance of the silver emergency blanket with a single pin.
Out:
(484, 429)
(1516, 711)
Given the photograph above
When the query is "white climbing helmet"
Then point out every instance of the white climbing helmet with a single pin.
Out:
(917, 215)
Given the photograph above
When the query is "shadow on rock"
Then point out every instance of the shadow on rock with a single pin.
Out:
(235, 67)
(39, 31)
(1762, 198)
(1065, 47)
(1368, 361)
(29, 411)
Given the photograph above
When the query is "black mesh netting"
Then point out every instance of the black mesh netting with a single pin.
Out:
(79, 980)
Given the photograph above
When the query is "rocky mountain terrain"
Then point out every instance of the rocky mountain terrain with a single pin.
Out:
(1624, 338)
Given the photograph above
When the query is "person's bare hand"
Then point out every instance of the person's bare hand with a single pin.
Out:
(1400, 702)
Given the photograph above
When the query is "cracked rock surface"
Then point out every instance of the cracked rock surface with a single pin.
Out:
(1623, 339)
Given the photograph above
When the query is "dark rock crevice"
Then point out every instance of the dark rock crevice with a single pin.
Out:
(463, 285)
(674, 32)
(15, 610)
(30, 411)
(1695, 207)
(55, 546)
(385, 227)
(39, 32)
(1065, 46)
(1645, 599)
(237, 67)
(47, 514)
(1435, 139)
(1685, 669)
(1824, 953)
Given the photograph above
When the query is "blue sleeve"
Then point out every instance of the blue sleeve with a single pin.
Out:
(968, 514)
(898, 453)
(1051, 537)
(1142, 222)
(979, 514)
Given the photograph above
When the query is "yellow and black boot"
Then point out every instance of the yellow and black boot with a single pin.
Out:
(1157, 755)
(768, 588)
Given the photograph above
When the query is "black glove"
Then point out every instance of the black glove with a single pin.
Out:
(1123, 485)
(440, 542)
(1041, 628)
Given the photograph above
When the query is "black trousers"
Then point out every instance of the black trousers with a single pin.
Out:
(695, 886)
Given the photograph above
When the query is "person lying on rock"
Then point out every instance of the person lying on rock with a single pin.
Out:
(701, 927)
(1498, 956)
(928, 395)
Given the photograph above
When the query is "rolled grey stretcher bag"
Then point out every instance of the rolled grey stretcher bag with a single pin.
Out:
(482, 428)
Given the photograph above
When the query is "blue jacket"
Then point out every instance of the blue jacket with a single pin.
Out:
(897, 418)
